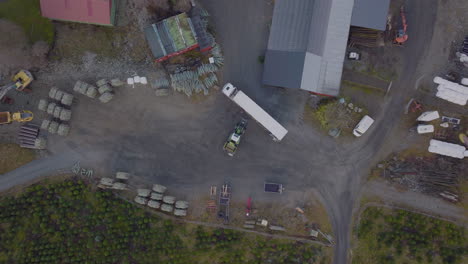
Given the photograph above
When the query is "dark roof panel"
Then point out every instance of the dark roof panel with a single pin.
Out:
(283, 68)
(153, 42)
(290, 26)
(370, 14)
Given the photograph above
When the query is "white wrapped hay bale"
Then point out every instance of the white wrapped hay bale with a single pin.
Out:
(58, 95)
(57, 111)
(50, 108)
(91, 92)
(45, 124)
(53, 127)
(52, 92)
(42, 105)
(67, 99)
(104, 89)
(63, 130)
(106, 97)
(101, 82)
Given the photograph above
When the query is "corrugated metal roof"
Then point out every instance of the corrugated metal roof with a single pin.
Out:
(290, 26)
(318, 27)
(370, 14)
(154, 42)
(204, 39)
(335, 46)
(283, 68)
(86, 11)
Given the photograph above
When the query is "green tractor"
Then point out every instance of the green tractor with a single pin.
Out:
(234, 139)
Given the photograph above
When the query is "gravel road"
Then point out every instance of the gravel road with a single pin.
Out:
(176, 142)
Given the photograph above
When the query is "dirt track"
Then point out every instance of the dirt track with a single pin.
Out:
(178, 143)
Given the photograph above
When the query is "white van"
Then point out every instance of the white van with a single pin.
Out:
(363, 126)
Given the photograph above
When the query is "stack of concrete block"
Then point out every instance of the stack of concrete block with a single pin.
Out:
(43, 105)
(106, 93)
(85, 89)
(59, 110)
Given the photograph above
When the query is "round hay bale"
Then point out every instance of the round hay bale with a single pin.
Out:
(106, 97)
(101, 82)
(156, 196)
(52, 92)
(53, 127)
(181, 204)
(42, 105)
(67, 99)
(45, 124)
(83, 88)
(58, 95)
(63, 130)
(104, 88)
(180, 212)
(159, 188)
(91, 92)
(166, 208)
(77, 86)
(154, 204)
(40, 143)
(50, 108)
(57, 111)
(116, 82)
(169, 199)
(65, 114)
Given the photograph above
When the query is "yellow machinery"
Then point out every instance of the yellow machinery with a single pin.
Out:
(20, 116)
(21, 80)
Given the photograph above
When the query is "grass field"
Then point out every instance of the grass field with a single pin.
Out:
(69, 222)
(27, 14)
(396, 236)
(14, 157)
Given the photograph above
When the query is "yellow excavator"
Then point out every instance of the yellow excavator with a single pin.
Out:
(20, 81)
(20, 116)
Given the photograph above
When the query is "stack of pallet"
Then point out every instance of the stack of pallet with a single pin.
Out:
(464, 46)
(28, 137)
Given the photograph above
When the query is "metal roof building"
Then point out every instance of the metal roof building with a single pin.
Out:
(98, 12)
(307, 44)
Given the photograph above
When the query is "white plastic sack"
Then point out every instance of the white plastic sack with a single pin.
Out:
(428, 116)
(423, 129)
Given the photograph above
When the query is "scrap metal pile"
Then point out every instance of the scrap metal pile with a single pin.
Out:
(438, 176)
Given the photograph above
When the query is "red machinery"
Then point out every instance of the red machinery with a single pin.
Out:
(401, 35)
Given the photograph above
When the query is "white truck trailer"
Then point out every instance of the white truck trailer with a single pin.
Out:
(276, 130)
